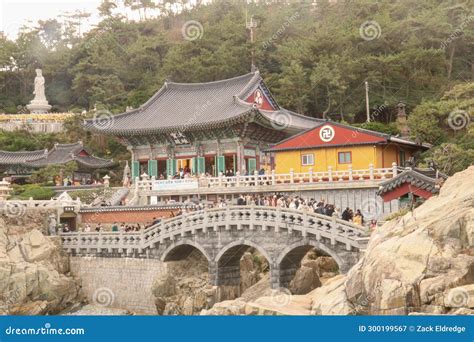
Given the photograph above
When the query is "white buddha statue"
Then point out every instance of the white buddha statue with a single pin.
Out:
(39, 105)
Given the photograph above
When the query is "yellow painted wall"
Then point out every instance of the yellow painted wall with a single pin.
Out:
(362, 156)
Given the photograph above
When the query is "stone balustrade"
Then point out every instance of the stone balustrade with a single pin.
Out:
(233, 217)
(272, 180)
(39, 204)
(283, 236)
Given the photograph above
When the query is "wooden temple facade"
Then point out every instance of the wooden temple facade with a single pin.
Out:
(205, 128)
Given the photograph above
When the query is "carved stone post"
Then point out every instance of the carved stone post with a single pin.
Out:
(330, 173)
(350, 173)
(394, 169)
(292, 176)
(311, 175)
(371, 171)
(333, 230)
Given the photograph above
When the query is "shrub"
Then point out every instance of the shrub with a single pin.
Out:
(37, 192)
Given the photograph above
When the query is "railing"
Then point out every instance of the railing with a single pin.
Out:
(309, 224)
(349, 175)
(37, 204)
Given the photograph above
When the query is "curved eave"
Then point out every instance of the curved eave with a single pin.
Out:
(172, 129)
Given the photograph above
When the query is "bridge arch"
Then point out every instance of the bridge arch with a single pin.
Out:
(227, 261)
(289, 260)
(180, 250)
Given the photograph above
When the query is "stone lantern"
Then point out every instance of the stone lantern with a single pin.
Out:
(106, 179)
(4, 190)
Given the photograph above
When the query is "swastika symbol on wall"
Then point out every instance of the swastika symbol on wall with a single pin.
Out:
(326, 133)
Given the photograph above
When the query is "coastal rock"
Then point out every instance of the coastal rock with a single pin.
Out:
(331, 299)
(305, 280)
(34, 269)
(422, 262)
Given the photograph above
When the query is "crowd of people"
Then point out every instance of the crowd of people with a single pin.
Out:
(275, 200)
(186, 172)
(305, 205)
(123, 227)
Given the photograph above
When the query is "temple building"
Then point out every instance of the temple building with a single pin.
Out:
(338, 146)
(208, 128)
(17, 165)
(412, 185)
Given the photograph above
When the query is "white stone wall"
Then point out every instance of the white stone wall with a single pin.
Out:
(118, 282)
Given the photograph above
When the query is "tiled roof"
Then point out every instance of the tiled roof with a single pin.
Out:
(426, 179)
(191, 106)
(344, 135)
(13, 158)
(59, 154)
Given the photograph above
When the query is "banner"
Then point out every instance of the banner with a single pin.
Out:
(175, 184)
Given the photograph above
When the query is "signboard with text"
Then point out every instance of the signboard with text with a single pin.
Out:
(175, 184)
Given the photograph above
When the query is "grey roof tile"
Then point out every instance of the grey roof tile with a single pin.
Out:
(422, 178)
(190, 106)
(59, 154)
(12, 158)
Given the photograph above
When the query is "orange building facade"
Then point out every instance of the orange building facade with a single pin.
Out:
(341, 146)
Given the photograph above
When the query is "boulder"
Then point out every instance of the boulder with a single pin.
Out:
(34, 277)
(249, 271)
(305, 280)
(422, 262)
(35, 246)
(331, 299)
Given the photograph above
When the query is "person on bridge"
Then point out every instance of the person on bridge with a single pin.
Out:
(346, 215)
(359, 218)
(241, 200)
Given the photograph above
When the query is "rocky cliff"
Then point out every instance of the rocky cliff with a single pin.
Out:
(33, 267)
(420, 263)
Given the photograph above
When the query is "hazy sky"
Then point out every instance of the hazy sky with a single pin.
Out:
(15, 13)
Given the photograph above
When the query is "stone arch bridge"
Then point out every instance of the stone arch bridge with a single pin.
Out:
(222, 235)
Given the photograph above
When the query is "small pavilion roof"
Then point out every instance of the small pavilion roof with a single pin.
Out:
(59, 154)
(194, 106)
(425, 179)
(13, 158)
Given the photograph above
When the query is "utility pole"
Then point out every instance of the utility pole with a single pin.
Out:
(367, 101)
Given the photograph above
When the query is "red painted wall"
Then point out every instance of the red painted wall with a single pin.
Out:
(145, 216)
(405, 189)
(265, 104)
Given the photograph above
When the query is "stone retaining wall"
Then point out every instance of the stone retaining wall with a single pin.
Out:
(124, 283)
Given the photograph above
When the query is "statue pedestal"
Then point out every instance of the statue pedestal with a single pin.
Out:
(38, 108)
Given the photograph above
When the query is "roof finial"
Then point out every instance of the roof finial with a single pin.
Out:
(251, 26)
